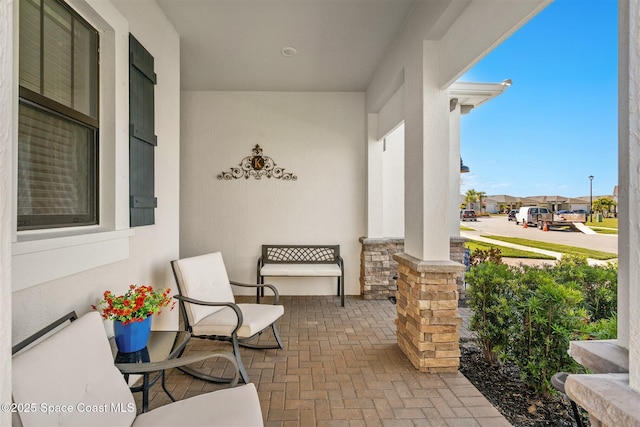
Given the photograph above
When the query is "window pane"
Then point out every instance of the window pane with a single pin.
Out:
(30, 44)
(55, 170)
(57, 60)
(85, 70)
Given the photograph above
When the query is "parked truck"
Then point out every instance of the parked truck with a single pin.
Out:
(540, 216)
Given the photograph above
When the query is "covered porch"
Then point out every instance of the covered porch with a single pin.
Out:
(325, 125)
(344, 368)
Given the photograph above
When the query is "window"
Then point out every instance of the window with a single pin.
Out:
(58, 117)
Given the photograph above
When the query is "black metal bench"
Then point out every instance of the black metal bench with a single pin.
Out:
(302, 261)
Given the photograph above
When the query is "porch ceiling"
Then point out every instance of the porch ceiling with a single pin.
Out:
(236, 44)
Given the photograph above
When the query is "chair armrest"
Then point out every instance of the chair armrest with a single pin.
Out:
(233, 306)
(254, 285)
(136, 368)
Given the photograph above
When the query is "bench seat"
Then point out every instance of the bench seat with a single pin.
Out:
(301, 270)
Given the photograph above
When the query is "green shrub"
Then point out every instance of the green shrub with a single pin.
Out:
(479, 256)
(603, 329)
(489, 294)
(599, 284)
(550, 317)
(530, 314)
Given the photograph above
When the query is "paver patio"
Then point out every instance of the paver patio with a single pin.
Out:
(342, 367)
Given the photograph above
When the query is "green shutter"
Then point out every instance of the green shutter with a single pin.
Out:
(142, 139)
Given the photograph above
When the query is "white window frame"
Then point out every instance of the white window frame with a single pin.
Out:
(39, 256)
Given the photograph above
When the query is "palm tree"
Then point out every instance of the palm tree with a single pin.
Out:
(603, 205)
(470, 198)
(481, 195)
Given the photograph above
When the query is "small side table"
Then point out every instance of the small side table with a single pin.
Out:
(158, 355)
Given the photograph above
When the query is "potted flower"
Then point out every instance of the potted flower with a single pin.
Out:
(131, 314)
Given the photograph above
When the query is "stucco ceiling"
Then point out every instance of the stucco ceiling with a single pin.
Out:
(236, 44)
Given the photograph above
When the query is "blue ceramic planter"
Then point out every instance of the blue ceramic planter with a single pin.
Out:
(132, 336)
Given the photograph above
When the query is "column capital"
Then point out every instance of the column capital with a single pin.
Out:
(422, 266)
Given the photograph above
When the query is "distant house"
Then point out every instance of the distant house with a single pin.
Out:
(502, 202)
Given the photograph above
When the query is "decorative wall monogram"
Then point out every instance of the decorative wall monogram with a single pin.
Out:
(257, 166)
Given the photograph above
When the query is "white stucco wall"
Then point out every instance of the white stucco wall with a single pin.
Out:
(318, 136)
(150, 248)
(393, 183)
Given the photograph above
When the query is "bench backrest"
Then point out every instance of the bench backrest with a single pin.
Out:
(303, 254)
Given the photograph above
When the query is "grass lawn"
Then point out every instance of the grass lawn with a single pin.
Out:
(606, 223)
(571, 250)
(604, 230)
(506, 252)
(465, 228)
(607, 226)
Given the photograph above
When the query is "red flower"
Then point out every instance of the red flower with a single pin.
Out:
(135, 305)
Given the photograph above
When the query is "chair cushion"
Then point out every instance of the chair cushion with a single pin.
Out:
(237, 406)
(301, 270)
(256, 317)
(203, 277)
(73, 368)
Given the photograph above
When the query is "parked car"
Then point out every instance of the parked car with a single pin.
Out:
(468, 215)
(562, 212)
(512, 214)
(580, 211)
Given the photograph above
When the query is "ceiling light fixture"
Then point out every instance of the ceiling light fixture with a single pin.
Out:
(289, 51)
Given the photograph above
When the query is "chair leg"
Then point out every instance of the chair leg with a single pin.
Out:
(236, 352)
(197, 374)
(245, 342)
(277, 335)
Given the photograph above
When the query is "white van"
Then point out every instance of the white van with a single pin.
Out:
(533, 215)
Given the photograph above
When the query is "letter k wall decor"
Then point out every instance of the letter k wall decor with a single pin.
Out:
(257, 165)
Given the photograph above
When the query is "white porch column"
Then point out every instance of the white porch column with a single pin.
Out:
(428, 324)
(427, 219)
(374, 201)
(629, 182)
(454, 168)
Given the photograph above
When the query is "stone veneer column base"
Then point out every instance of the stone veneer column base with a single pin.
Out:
(428, 324)
(379, 271)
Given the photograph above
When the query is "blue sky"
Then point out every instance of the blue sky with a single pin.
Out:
(557, 123)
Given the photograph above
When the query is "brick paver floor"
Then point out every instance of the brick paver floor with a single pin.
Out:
(342, 367)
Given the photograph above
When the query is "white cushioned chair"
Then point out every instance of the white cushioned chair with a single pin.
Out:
(210, 312)
(74, 369)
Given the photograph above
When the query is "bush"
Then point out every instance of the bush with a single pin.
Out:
(479, 256)
(529, 315)
(549, 317)
(599, 284)
(489, 294)
(603, 329)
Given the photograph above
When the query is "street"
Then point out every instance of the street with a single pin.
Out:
(500, 226)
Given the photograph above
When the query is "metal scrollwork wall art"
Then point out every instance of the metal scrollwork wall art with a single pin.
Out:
(257, 166)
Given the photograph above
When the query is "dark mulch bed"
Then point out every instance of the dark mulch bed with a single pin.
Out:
(502, 386)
